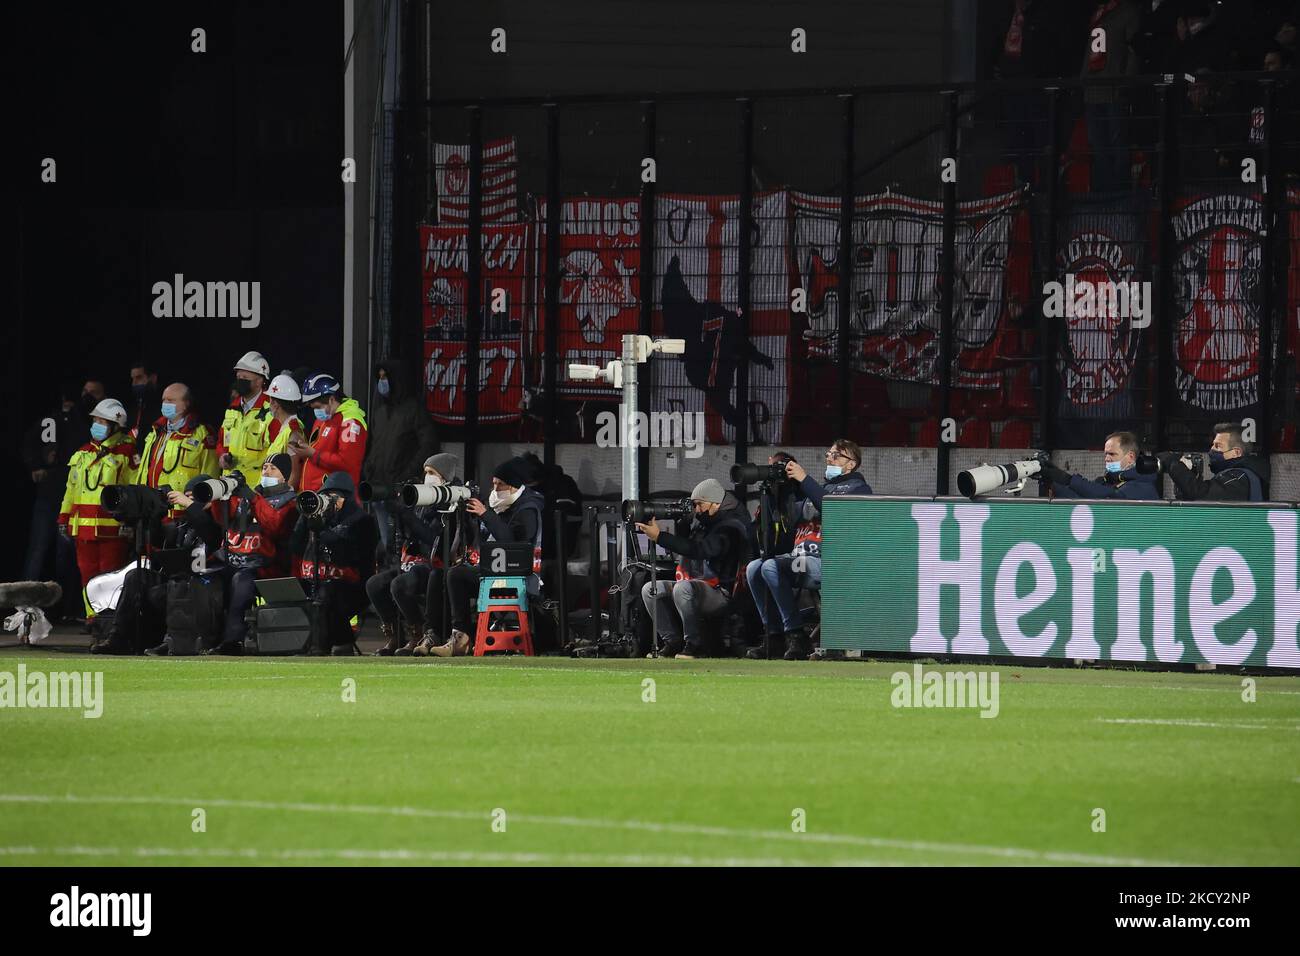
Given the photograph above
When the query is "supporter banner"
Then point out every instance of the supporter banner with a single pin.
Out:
(895, 316)
(600, 285)
(500, 178)
(1168, 583)
(696, 299)
(1101, 384)
(501, 353)
(1217, 289)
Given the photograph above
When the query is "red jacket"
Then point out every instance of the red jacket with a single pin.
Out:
(338, 444)
(265, 545)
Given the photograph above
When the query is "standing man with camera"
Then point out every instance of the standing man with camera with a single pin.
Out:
(1120, 480)
(398, 591)
(338, 440)
(244, 435)
(107, 459)
(333, 552)
(780, 576)
(512, 515)
(177, 446)
(1238, 474)
(712, 554)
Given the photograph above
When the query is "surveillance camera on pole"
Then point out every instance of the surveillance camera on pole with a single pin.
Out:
(637, 349)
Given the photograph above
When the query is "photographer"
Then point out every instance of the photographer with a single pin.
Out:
(141, 610)
(177, 447)
(802, 566)
(1238, 474)
(712, 555)
(512, 515)
(107, 459)
(256, 544)
(333, 562)
(1121, 480)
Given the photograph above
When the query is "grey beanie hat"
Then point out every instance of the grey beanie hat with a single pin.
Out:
(445, 463)
(710, 490)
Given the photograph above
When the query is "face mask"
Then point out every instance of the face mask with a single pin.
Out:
(269, 481)
(434, 481)
(1217, 462)
(243, 387)
(833, 471)
(169, 410)
(381, 387)
(498, 502)
(1113, 468)
(88, 401)
(141, 390)
(99, 431)
(322, 414)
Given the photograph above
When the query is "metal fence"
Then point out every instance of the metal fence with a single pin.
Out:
(994, 265)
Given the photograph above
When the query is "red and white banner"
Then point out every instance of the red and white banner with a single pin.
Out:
(1217, 290)
(895, 318)
(600, 285)
(505, 308)
(500, 179)
(697, 259)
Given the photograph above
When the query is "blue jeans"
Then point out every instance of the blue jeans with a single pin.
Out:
(777, 577)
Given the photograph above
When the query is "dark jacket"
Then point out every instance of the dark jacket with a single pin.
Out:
(851, 483)
(346, 546)
(521, 523)
(70, 433)
(423, 531)
(717, 547)
(1128, 484)
(401, 432)
(1230, 484)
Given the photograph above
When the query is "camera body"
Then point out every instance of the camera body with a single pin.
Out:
(749, 473)
(643, 512)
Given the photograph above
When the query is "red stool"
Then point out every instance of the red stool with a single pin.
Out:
(503, 617)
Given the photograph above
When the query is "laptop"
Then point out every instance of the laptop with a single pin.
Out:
(280, 590)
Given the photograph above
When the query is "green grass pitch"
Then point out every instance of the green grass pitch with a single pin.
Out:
(555, 761)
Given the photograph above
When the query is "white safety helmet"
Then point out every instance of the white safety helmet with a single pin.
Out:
(254, 362)
(284, 388)
(110, 409)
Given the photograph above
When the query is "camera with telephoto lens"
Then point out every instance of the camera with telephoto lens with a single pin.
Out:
(217, 489)
(311, 504)
(369, 491)
(986, 478)
(643, 512)
(441, 497)
(132, 503)
(748, 473)
(1153, 465)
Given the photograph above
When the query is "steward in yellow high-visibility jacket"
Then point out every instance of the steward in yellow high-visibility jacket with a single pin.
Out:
(178, 447)
(245, 432)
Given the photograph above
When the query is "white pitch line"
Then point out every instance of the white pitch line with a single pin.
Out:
(1193, 723)
(688, 829)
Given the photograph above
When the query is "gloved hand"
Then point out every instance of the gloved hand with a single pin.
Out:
(1050, 472)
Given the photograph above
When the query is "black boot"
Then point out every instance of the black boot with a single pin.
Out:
(797, 645)
(768, 649)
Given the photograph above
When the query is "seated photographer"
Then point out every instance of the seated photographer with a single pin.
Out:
(512, 515)
(780, 576)
(418, 576)
(178, 446)
(256, 544)
(141, 610)
(333, 554)
(1121, 480)
(1238, 474)
(712, 555)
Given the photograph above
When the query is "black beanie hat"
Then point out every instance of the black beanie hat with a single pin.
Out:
(512, 471)
(283, 462)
